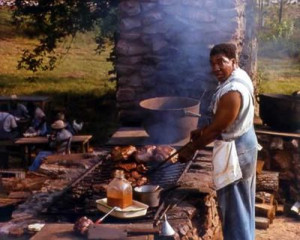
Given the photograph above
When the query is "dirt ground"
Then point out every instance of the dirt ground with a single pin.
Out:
(282, 228)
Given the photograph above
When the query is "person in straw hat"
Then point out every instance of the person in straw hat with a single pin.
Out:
(73, 127)
(58, 143)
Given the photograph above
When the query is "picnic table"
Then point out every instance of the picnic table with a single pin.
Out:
(36, 99)
(27, 142)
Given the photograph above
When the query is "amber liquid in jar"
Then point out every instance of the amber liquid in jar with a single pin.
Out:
(119, 191)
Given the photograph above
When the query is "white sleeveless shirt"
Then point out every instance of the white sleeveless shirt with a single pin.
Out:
(239, 81)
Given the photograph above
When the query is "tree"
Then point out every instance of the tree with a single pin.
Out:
(51, 21)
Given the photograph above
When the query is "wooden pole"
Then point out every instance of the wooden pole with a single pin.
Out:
(280, 10)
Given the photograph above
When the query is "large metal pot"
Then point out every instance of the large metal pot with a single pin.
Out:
(170, 119)
(281, 112)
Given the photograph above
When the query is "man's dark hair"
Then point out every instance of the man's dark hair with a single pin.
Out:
(228, 49)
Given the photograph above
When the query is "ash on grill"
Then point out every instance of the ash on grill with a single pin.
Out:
(80, 199)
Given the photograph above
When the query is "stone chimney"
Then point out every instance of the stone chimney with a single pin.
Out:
(163, 48)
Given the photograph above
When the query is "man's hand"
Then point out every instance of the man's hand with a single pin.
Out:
(196, 134)
(187, 153)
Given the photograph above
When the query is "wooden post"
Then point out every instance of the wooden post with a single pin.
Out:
(280, 10)
(259, 166)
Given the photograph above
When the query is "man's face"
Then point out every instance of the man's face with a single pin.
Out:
(222, 66)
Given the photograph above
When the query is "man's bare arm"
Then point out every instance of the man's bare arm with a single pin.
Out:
(227, 112)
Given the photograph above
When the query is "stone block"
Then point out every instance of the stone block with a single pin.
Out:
(158, 44)
(147, 6)
(135, 81)
(126, 70)
(125, 94)
(128, 49)
(126, 105)
(147, 71)
(152, 17)
(130, 35)
(131, 7)
(130, 59)
(156, 28)
(130, 117)
(127, 24)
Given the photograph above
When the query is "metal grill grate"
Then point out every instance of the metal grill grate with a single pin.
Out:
(80, 199)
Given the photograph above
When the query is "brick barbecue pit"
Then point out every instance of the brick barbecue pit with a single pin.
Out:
(192, 208)
(66, 191)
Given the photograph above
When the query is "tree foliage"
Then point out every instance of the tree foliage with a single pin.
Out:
(51, 21)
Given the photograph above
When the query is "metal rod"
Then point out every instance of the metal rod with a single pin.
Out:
(167, 159)
(101, 219)
(191, 114)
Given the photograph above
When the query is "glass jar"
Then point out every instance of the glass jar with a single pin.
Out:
(119, 191)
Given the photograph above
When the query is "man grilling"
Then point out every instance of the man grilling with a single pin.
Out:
(235, 144)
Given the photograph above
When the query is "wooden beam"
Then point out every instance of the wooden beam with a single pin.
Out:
(261, 223)
(265, 210)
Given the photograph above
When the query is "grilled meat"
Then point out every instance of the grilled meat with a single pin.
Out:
(134, 161)
(136, 175)
(141, 168)
(144, 154)
(141, 181)
(162, 152)
(137, 182)
(122, 153)
(82, 224)
(127, 166)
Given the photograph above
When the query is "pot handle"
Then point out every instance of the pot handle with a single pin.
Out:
(191, 114)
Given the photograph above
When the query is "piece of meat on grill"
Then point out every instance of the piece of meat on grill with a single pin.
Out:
(132, 181)
(137, 182)
(144, 154)
(141, 168)
(141, 181)
(136, 175)
(122, 153)
(82, 224)
(127, 166)
(162, 152)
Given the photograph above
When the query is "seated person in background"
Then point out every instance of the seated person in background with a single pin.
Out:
(19, 110)
(74, 128)
(59, 142)
(38, 125)
(8, 124)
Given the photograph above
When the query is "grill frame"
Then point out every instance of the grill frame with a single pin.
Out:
(102, 173)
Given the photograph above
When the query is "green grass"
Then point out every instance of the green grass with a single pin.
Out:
(280, 76)
(279, 60)
(80, 83)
